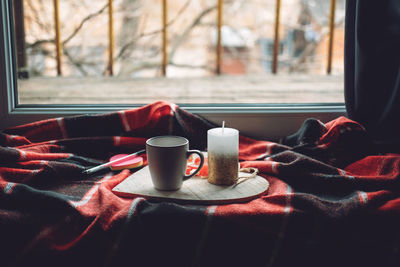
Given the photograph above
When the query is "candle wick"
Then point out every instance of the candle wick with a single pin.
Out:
(223, 126)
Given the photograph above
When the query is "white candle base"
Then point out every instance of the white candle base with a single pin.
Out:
(222, 169)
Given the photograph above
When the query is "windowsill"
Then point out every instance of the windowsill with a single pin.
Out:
(266, 89)
(269, 121)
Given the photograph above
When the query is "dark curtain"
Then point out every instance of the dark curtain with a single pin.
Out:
(372, 67)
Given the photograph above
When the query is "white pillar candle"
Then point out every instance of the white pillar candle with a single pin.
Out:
(223, 155)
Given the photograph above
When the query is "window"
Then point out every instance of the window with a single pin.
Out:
(269, 119)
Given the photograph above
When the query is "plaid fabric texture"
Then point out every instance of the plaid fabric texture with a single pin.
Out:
(333, 200)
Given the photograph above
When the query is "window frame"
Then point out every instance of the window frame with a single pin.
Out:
(267, 121)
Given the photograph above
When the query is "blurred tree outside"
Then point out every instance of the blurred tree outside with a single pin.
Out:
(247, 37)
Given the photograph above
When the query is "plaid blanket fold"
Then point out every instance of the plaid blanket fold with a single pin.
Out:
(333, 198)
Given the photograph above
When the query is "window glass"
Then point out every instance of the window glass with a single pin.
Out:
(140, 71)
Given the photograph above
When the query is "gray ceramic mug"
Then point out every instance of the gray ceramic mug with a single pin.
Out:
(167, 158)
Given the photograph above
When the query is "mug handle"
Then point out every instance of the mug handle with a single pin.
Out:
(188, 153)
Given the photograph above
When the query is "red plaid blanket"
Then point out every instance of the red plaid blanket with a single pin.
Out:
(333, 200)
